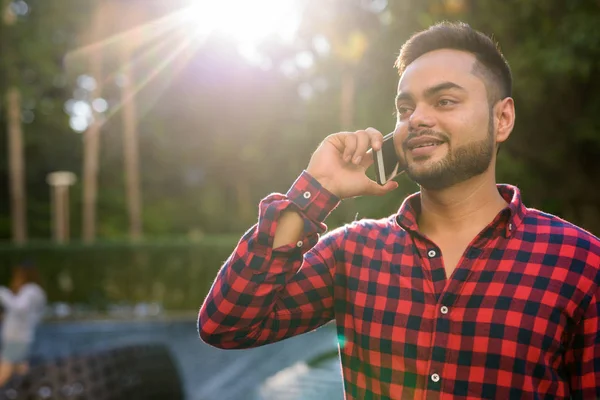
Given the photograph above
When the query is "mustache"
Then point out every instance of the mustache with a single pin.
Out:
(425, 132)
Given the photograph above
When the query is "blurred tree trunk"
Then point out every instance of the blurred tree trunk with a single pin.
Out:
(130, 147)
(16, 165)
(91, 137)
(91, 148)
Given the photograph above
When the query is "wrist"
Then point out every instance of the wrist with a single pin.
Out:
(325, 182)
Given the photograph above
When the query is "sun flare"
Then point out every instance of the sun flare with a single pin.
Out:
(247, 22)
(168, 42)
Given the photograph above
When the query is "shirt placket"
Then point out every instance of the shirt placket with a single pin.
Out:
(431, 259)
(445, 295)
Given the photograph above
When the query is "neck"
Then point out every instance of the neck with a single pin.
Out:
(466, 207)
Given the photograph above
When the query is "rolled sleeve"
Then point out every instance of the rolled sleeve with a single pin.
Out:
(263, 295)
(306, 196)
(311, 198)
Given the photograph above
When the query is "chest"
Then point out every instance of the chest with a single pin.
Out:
(395, 299)
(451, 249)
(451, 256)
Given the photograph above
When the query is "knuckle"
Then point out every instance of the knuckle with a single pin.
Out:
(363, 136)
(337, 135)
(358, 135)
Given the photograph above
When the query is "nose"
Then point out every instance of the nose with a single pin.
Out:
(420, 118)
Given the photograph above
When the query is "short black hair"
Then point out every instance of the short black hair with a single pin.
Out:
(491, 65)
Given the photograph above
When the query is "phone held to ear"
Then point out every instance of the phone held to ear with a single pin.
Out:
(386, 162)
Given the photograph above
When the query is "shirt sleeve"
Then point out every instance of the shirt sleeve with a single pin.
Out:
(583, 356)
(262, 295)
(6, 296)
(27, 299)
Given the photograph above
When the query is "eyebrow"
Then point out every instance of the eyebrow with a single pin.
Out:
(430, 92)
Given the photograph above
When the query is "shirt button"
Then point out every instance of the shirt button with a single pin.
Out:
(510, 227)
(435, 378)
(300, 243)
(444, 310)
(431, 253)
(306, 195)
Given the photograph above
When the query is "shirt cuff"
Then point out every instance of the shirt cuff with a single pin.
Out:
(315, 202)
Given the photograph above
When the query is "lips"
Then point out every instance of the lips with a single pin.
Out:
(420, 142)
(425, 145)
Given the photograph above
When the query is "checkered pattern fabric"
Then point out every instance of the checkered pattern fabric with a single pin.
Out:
(519, 318)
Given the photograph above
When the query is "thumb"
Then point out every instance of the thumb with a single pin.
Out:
(375, 189)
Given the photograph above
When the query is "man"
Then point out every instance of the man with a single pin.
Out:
(464, 293)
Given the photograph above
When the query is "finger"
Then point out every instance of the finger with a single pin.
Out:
(368, 159)
(375, 137)
(373, 188)
(362, 145)
(337, 140)
(349, 146)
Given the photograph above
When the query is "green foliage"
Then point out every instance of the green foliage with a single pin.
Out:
(32, 51)
(553, 153)
(217, 134)
(175, 274)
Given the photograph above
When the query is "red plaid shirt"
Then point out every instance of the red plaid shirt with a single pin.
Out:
(518, 318)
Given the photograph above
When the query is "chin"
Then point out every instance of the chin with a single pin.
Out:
(431, 174)
(425, 165)
(439, 171)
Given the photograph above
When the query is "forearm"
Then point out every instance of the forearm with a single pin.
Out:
(242, 304)
(260, 294)
(290, 227)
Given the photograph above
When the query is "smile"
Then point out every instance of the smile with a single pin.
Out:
(424, 149)
(425, 145)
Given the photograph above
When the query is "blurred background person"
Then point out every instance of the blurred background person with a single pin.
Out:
(24, 303)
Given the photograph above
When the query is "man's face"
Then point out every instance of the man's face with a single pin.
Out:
(444, 128)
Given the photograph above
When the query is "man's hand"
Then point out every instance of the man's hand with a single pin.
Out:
(341, 160)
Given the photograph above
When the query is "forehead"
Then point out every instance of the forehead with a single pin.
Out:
(445, 65)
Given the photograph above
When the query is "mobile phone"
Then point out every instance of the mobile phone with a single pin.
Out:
(386, 161)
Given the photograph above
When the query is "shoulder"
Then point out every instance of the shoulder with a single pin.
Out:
(34, 290)
(567, 254)
(366, 230)
(371, 227)
(563, 243)
(560, 231)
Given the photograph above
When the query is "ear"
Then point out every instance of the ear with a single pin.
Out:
(504, 116)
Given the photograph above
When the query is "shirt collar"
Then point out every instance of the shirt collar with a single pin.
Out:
(510, 218)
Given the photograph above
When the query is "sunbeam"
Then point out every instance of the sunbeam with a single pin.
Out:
(167, 43)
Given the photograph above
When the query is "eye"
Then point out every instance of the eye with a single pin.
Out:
(445, 102)
(403, 111)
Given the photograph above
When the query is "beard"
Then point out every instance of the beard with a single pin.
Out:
(459, 165)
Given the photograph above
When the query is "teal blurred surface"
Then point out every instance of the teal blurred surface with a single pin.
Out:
(303, 367)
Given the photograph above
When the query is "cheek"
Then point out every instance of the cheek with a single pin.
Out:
(465, 127)
(400, 134)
